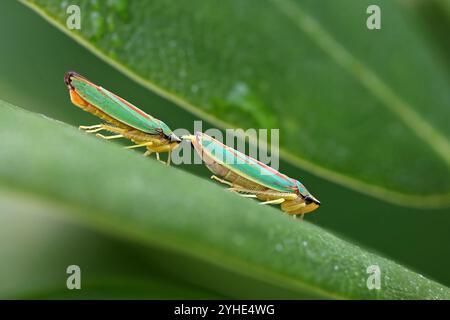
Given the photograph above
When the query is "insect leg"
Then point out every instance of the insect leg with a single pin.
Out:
(159, 159)
(109, 137)
(94, 130)
(100, 127)
(168, 158)
(248, 195)
(275, 201)
(149, 152)
(267, 194)
(90, 127)
(145, 144)
(114, 129)
(222, 181)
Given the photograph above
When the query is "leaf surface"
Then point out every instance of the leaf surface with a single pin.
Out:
(117, 192)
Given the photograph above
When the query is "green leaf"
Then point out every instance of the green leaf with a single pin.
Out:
(186, 224)
(38, 244)
(367, 109)
(434, 18)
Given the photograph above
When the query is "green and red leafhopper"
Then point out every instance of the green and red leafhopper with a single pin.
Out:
(252, 178)
(123, 118)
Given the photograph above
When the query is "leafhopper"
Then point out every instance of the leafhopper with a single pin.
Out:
(252, 178)
(122, 118)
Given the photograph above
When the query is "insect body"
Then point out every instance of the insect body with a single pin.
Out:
(121, 117)
(252, 178)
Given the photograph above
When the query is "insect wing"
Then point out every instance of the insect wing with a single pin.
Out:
(242, 164)
(117, 107)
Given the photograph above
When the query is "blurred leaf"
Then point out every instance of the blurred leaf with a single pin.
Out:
(433, 16)
(38, 244)
(122, 194)
(367, 109)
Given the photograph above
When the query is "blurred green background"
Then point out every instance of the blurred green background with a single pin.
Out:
(33, 59)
